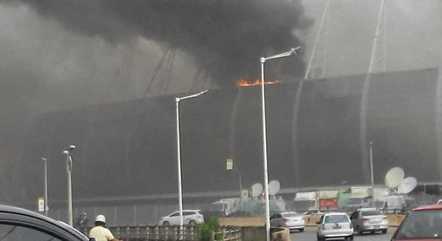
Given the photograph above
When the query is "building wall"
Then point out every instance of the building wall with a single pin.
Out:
(128, 149)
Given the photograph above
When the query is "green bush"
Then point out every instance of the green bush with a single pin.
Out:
(209, 227)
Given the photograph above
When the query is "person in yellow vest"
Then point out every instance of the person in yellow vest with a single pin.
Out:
(100, 232)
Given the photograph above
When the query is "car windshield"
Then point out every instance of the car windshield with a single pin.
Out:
(336, 219)
(370, 213)
(421, 225)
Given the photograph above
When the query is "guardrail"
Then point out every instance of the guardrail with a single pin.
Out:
(172, 233)
(228, 234)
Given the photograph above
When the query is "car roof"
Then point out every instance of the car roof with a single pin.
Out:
(188, 210)
(335, 213)
(25, 212)
(367, 209)
(31, 214)
(429, 207)
(288, 212)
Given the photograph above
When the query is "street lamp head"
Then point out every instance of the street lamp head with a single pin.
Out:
(66, 152)
(44, 159)
(178, 99)
(293, 50)
(72, 147)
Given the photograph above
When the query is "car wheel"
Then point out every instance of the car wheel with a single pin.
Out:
(384, 231)
(192, 222)
(166, 223)
(301, 230)
(349, 238)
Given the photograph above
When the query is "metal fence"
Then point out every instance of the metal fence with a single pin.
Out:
(172, 233)
(228, 234)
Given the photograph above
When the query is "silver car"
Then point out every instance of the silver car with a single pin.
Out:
(369, 220)
(335, 226)
(291, 220)
(191, 217)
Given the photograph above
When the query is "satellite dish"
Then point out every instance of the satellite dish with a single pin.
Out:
(394, 177)
(407, 185)
(274, 187)
(256, 189)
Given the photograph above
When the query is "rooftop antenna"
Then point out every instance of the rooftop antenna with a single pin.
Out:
(394, 177)
(256, 190)
(274, 187)
(407, 185)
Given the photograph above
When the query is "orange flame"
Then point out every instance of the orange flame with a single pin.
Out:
(251, 83)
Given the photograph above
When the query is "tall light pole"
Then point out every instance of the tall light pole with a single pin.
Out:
(178, 147)
(263, 60)
(371, 168)
(45, 187)
(68, 153)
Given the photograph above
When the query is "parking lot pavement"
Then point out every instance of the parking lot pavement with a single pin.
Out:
(310, 235)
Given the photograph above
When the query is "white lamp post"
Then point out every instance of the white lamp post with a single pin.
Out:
(263, 60)
(68, 153)
(178, 144)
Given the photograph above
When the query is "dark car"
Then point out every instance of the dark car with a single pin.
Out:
(17, 224)
(423, 223)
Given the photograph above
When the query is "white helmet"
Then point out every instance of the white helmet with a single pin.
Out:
(100, 218)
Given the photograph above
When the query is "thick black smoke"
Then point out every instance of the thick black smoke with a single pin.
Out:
(226, 37)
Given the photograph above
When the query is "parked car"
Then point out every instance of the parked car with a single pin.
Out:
(291, 220)
(422, 223)
(335, 225)
(190, 217)
(17, 224)
(369, 220)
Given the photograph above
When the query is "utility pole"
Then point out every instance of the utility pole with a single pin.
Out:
(45, 167)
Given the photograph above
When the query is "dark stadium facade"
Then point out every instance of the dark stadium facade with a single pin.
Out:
(129, 149)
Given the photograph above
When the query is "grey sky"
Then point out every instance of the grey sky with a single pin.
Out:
(412, 31)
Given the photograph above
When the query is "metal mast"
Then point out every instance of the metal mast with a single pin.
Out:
(374, 59)
(311, 65)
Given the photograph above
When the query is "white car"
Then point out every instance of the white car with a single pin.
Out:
(290, 220)
(190, 217)
(369, 220)
(334, 226)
